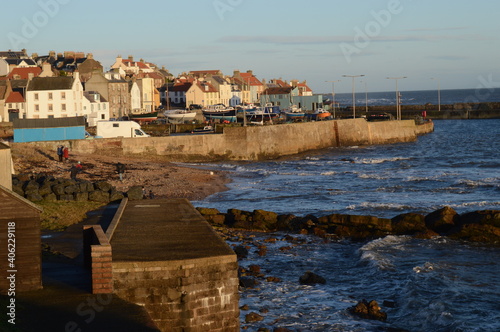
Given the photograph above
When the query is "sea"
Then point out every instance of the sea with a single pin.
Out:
(422, 285)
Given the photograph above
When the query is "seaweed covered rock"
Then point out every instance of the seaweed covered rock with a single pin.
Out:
(368, 310)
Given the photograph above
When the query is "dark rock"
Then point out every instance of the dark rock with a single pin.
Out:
(478, 233)
(50, 197)
(102, 186)
(99, 196)
(254, 269)
(86, 186)
(284, 221)
(408, 224)
(66, 197)
(18, 189)
(264, 220)
(71, 189)
(253, 317)
(135, 193)
(368, 310)
(81, 197)
(442, 220)
(240, 219)
(310, 278)
(215, 219)
(34, 197)
(45, 188)
(31, 186)
(207, 211)
(244, 307)
(241, 252)
(58, 189)
(248, 282)
(273, 279)
(115, 195)
(485, 217)
(282, 329)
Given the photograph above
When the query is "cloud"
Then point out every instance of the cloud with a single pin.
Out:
(324, 40)
(449, 57)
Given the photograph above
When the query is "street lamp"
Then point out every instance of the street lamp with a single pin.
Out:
(439, 92)
(333, 96)
(366, 97)
(398, 97)
(353, 94)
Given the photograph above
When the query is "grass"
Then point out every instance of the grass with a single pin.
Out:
(57, 216)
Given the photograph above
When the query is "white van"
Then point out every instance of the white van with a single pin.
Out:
(109, 129)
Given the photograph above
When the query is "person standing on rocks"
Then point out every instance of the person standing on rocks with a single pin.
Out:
(75, 169)
(120, 169)
(60, 152)
(66, 154)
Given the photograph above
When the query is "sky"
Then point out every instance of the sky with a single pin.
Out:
(455, 42)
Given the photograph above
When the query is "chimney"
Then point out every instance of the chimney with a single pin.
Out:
(250, 72)
(30, 76)
(52, 54)
(90, 56)
(131, 58)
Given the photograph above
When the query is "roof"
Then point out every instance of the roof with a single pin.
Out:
(90, 96)
(219, 79)
(20, 198)
(12, 54)
(50, 83)
(303, 85)
(250, 79)
(278, 91)
(29, 62)
(3, 89)
(76, 121)
(23, 73)
(15, 97)
(139, 64)
(206, 87)
(181, 87)
(155, 76)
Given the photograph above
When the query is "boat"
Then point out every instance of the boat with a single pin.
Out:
(179, 116)
(319, 114)
(204, 130)
(144, 117)
(220, 112)
(295, 114)
(260, 114)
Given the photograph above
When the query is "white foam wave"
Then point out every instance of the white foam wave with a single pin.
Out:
(381, 206)
(328, 173)
(379, 160)
(372, 176)
(426, 268)
(376, 253)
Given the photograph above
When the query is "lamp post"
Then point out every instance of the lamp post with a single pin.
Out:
(398, 97)
(333, 96)
(439, 92)
(353, 94)
(366, 97)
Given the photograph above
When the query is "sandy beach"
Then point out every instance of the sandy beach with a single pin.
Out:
(164, 179)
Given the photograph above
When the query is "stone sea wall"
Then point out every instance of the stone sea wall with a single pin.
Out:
(255, 142)
(477, 226)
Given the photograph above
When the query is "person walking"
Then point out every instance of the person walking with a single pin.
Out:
(60, 153)
(120, 169)
(66, 154)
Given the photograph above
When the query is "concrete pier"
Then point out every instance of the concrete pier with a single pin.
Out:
(169, 260)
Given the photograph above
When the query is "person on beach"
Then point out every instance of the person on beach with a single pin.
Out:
(66, 154)
(75, 169)
(60, 153)
(120, 169)
(151, 195)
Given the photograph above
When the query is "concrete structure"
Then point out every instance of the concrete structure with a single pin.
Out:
(165, 257)
(37, 130)
(20, 239)
(259, 143)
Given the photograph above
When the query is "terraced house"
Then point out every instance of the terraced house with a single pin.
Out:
(54, 97)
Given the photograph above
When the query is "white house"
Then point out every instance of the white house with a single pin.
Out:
(135, 97)
(94, 108)
(54, 97)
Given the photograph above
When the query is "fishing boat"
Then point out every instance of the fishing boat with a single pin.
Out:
(204, 130)
(260, 114)
(144, 117)
(179, 116)
(319, 114)
(294, 114)
(220, 112)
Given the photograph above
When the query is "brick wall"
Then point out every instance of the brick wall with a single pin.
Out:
(98, 257)
(189, 295)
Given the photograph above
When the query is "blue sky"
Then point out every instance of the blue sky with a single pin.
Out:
(318, 40)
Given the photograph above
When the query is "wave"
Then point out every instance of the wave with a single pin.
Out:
(381, 206)
(379, 160)
(376, 252)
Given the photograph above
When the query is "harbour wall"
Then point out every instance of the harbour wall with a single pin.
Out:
(255, 142)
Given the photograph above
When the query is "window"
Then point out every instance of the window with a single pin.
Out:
(63, 107)
(36, 96)
(50, 95)
(116, 125)
(63, 95)
(103, 117)
(51, 108)
(37, 108)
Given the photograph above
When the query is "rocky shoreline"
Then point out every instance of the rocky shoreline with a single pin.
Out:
(477, 226)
